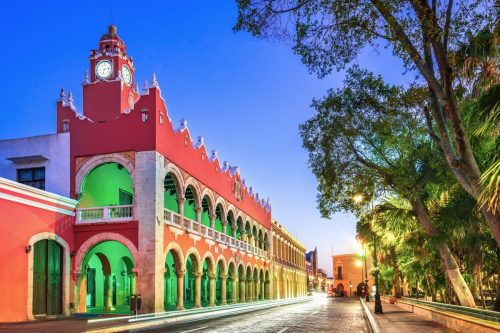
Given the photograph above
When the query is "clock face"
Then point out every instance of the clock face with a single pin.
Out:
(104, 69)
(127, 76)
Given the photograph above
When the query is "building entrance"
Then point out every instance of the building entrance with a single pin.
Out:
(47, 278)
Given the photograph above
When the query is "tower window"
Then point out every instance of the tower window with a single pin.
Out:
(144, 115)
(66, 126)
(32, 177)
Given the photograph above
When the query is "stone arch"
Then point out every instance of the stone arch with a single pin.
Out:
(247, 229)
(211, 200)
(102, 237)
(88, 245)
(97, 160)
(225, 209)
(208, 255)
(239, 214)
(191, 182)
(241, 268)
(232, 263)
(175, 248)
(66, 271)
(177, 178)
(222, 259)
(240, 225)
(106, 267)
(260, 236)
(199, 263)
(249, 268)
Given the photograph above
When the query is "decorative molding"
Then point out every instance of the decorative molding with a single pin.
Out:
(14, 186)
(36, 204)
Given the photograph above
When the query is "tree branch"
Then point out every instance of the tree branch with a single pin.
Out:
(447, 25)
(430, 128)
(287, 10)
(405, 41)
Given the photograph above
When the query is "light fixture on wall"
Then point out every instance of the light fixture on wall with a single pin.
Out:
(28, 248)
(73, 253)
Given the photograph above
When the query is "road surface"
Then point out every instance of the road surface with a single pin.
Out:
(321, 315)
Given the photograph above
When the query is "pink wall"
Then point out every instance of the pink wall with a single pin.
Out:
(19, 223)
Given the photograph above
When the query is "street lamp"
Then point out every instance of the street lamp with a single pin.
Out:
(366, 281)
(378, 304)
(358, 198)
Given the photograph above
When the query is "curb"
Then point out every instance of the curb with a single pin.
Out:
(156, 323)
(373, 324)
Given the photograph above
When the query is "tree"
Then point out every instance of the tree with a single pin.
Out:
(370, 137)
(329, 34)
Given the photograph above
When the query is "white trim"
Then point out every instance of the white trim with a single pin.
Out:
(36, 204)
(14, 186)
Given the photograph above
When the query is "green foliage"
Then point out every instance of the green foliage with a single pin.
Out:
(329, 34)
(365, 138)
(372, 138)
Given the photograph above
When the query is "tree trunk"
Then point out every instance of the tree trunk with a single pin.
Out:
(397, 274)
(455, 276)
(474, 288)
(457, 151)
(493, 219)
(479, 283)
(453, 273)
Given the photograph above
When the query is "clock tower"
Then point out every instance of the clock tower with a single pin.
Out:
(108, 90)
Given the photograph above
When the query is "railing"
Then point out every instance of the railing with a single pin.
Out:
(104, 214)
(192, 226)
(478, 313)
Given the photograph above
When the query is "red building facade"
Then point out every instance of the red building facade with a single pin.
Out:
(152, 213)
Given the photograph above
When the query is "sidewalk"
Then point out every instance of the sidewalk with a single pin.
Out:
(395, 320)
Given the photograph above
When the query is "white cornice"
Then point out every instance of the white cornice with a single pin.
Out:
(36, 204)
(16, 187)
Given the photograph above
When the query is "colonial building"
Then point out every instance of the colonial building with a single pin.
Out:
(312, 269)
(288, 264)
(350, 273)
(151, 212)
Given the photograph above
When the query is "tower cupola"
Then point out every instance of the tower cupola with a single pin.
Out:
(109, 90)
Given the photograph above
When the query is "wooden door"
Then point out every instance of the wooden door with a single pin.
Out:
(40, 278)
(91, 287)
(54, 278)
(47, 278)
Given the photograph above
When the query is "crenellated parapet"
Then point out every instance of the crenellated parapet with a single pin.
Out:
(146, 125)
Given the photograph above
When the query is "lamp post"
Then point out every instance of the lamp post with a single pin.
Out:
(367, 299)
(358, 198)
(378, 304)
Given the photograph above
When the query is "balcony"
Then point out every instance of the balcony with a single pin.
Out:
(104, 214)
(194, 227)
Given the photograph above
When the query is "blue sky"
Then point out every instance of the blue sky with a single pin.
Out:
(246, 96)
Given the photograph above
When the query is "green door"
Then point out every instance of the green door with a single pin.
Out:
(40, 278)
(47, 278)
(91, 287)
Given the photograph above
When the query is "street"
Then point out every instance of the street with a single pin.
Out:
(321, 315)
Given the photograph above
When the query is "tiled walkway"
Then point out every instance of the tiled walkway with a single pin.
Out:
(395, 319)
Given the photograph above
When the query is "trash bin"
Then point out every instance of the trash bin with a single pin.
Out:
(135, 303)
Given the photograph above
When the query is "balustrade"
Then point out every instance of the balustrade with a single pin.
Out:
(104, 214)
(175, 219)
